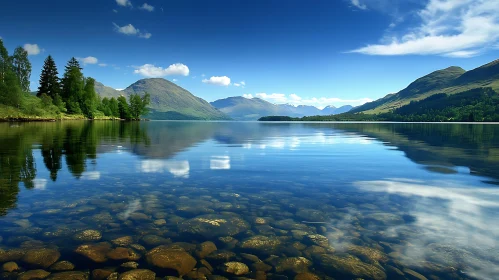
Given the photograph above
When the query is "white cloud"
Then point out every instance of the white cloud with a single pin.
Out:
(129, 29)
(147, 7)
(174, 80)
(219, 81)
(102, 64)
(151, 71)
(248, 95)
(88, 60)
(319, 102)
(119, 89)
(176, 168)
(32, 49)
(359, 5)
(219, 162)
(124, 3)
(240, 84)
(454, 28)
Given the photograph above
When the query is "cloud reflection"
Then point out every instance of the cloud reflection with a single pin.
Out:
(40, 184)
(455, 225)
(176, 168)
(90, 175)
(220, 162)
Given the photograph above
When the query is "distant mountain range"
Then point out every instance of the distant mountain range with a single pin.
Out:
(168, 100)
(451, 80)
(245, 109)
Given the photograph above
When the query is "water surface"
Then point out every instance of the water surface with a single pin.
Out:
(345, 201)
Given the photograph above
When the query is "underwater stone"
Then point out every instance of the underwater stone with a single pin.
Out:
(101, 274)
(34, 274)
(236, 268)
(11, 255)
(367, 254)
(154, 240)
(413, 274)
(205, 248)
(62, 266)
(122, 241)
(88, 235)
(307, 276)
(317, 239)
(214, 225)
(42, 257)
(95, 252)
(10, 266)
(138, 274)
(73, 275)
(176, 259)
(132, 265)
(351, 266)
(261, 266)
(261, 243)
(296, 264)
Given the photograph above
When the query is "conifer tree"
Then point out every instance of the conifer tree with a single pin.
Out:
(21, 67)
(49, 81)
(73, 87)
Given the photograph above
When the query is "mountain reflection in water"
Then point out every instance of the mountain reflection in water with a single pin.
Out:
(390, 198)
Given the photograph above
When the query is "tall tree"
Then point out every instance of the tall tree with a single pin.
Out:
(73, 84)
(138, 105)
(123, 108)
(10, 91)
(89, 101)
(4, 62)
(49, 81)
(21, 67)
(114, 107)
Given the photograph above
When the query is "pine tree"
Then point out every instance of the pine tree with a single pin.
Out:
(49, 81)
(89, 102)
(21, 67)
(73, 87)
(4, 62)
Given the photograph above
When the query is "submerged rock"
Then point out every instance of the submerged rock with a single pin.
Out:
(367, 254)
(261, 243)
(95, 252)
(122, 241)
(317, 239)
(235, 268)
(214, 225)
(297, 264)
(42, 257)
(176, 259)
(34, 275)
(101, 274)
(11, 255)
(10, 266)
(122, 253)
(138, 274)
(62, 266)
(88, 236)
(311, 215)
(73, 275)
(205, 248)
(132, 265)
(351, 266)
(307, 276)
(155, 240)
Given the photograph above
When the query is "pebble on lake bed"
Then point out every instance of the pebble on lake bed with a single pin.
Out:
(10, 266)
(88, 235)
(236, 268)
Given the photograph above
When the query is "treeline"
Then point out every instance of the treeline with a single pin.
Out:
(475, 105)
(73, 94)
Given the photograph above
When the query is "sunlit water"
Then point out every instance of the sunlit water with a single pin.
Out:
(345, 201)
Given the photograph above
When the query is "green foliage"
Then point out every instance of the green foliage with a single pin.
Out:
(10, 91)
(138, 105)
(73, 84)
(21, 67)
(123, 108)
(4, 61)
(114, 108)
(89, 99)
(49, 81)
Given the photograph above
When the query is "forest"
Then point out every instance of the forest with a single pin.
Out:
(72, 96)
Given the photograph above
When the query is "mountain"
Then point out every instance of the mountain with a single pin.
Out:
(451, 80)
(168, 101)
(331, 110)
(241, 108)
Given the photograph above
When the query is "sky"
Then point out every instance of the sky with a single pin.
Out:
(314, 52)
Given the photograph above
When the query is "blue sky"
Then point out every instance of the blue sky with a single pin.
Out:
(319, 52)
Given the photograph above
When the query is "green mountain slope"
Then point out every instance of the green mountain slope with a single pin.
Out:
(451, 80)
(241, 108)
(168, 101)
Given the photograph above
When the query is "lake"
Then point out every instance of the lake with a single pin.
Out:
(207, 200)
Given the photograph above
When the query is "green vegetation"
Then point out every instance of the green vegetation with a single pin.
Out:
(476, 105)
(452, 80)
(72, 97)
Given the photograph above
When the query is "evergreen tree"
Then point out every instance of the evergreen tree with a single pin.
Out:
(114, 107)
(49, 81)
(123, 108)
(21, 67)
(73, 87)
(4, 62)
(138, 105)
(89, 102)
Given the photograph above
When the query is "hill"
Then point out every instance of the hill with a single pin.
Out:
(451, 80)
(168, 100)
(241, 108)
